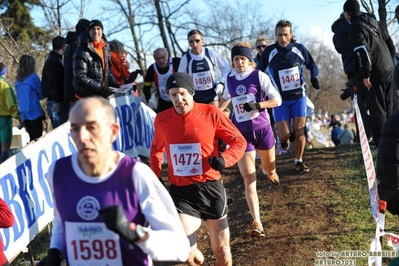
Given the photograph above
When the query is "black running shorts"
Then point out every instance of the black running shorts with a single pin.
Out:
(202, 200)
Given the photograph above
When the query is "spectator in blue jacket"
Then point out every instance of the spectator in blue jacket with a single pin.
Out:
(29, 94)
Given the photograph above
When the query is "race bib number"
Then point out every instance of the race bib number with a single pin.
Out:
(289, 79)
(92, 244)
(186, 159)
(202, 81)
(238, 107)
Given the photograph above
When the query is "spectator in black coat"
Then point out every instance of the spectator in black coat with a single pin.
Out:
(355, 85)
(72, 43)
(388, 164)
(91, 64)
(53, 83)
(374, 50)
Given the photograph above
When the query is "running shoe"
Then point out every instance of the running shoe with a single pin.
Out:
(285, 145)
(273, 177)
(301, 167)
(257, 230)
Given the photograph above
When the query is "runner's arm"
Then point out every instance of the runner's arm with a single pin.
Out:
(183, 64)
(228, 132)
(270, 91)
(57, 230)
(221, 64)
(148, 80)
(157, 150)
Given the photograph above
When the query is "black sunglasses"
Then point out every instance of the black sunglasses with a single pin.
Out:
(261, 46)
(191, 41)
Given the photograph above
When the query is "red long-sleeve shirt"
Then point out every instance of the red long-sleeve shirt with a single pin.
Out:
(201, 127)
(6, 220)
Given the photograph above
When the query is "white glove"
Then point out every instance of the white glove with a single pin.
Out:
(151, 104)
(219, 88)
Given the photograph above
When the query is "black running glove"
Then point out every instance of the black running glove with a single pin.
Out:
(116, 221)
(251, 106)
(315, 83)
(217, 163)
(106, 91)
(53, 258)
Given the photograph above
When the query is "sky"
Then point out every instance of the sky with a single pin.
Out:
(310, 18)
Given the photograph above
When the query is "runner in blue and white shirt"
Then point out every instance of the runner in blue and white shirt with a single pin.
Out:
(200, 64)
(283, 62)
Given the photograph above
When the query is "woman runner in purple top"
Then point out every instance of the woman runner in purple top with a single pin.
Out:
(248, 88)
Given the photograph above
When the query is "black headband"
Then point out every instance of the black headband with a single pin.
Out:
(241, 50)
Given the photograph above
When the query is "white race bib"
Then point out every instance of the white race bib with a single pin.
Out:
(186, 159)
(202, 81)
(289, 79)
(238, 107)
(92, 244)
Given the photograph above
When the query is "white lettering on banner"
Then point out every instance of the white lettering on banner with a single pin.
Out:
(137, 126)
(25, 189)
(23, 184)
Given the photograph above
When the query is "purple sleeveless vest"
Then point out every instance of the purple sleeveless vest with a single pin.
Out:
(251, 83)
(74, 200)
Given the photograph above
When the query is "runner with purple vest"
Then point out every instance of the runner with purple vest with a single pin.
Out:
(248, 88)
(109, 208)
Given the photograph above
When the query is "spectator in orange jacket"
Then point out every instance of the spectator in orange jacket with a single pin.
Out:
(119, 66)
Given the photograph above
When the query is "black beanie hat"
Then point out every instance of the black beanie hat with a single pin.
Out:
(95, 22)
(180, 80)
(351, 6)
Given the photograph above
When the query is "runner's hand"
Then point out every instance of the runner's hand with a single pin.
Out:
(116, 221)
(315, 83)
(217, 163)
(251, 106)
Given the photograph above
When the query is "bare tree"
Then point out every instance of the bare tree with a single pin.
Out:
(331, 77)
(53, 14)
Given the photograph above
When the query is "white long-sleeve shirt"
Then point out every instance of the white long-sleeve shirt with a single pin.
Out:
(166, 241)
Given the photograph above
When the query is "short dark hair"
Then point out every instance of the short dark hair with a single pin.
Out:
(192, 32)
(58, 43)
(285, 23)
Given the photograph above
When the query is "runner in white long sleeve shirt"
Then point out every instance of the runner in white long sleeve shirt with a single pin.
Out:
(200, 64)
(109, 208)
